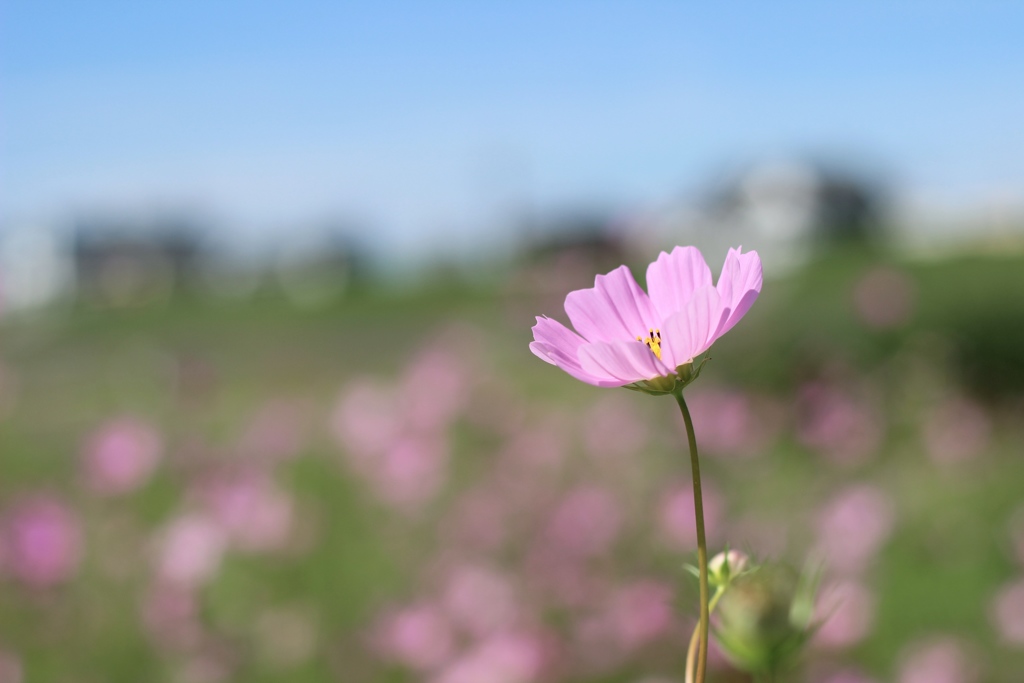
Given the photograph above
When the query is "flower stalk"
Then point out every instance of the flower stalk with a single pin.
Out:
(702, 545)
(647, 341)
(691, 651)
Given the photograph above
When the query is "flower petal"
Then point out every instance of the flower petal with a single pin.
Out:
(738, 285)
(556, 344)
(615, 309)
(626, 361)
(692, 330)
(673, 278)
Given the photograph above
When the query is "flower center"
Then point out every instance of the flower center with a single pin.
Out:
(653, 341)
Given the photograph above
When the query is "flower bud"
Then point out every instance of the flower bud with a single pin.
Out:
(761, 625)
(726, 566)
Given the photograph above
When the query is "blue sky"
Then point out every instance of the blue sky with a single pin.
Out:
(425, 120)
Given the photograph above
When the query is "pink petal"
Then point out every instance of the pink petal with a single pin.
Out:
(556, 335)
(673, 278)
(692, 330)
(615, 309)
(738, 285)
(558, 345)
(624, 361)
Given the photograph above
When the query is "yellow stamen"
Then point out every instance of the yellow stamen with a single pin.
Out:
(652, 341)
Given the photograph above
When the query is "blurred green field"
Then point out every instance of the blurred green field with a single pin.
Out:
(219, 382)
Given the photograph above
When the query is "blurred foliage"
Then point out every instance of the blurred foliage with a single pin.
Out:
(201, 370)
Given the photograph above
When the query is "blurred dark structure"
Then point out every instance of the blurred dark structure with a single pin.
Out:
(314, 267)
(130, 261)
(563, 254)
(586, 239)
(126, 263)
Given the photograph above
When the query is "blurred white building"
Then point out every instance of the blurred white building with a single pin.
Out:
(36, 268)
(784, 209)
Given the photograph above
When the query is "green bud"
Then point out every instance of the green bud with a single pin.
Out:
(761, 618)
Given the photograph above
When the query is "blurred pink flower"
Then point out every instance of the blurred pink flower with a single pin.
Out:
(958, 429)
(253, 512)
(435, 390)
(42, 541)
(403, 456)
(942, 660)
(1007, 613)
(734, 423)
(845, 611)
(612, 428)
(511, 657)
(538, 450)
(410, 472)
(478, 521)
(480, 600)
(677, 521)
(620, 622)
(11, 670)
(562, 580)
(837, 425)
(189, 550)
(640, 612)
(628, 336)
(853, 526)
(121, 455)
(585, 523)
(727, 423)
(366, 419)
(418, 637)
(842, 676)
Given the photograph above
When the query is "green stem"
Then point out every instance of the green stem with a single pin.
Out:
(702, 545)
(691, 651)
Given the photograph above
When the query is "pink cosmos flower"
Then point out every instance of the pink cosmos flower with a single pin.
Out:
(11, 670)
(839, 425)
(845, 611)
(121, 455)
(253, 513)
(1007, 613)
(630, 617)
(419, 637)
(853, 526)
(480, 601)
(629, 336)
(640, 612)
(941, 660)
(42, 542)
(614, 429)
(189, 550)
(519, 656)
(585, 524)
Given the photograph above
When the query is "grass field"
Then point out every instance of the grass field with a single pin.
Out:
(394, 488)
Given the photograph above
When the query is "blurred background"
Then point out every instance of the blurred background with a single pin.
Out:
(267, 278)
